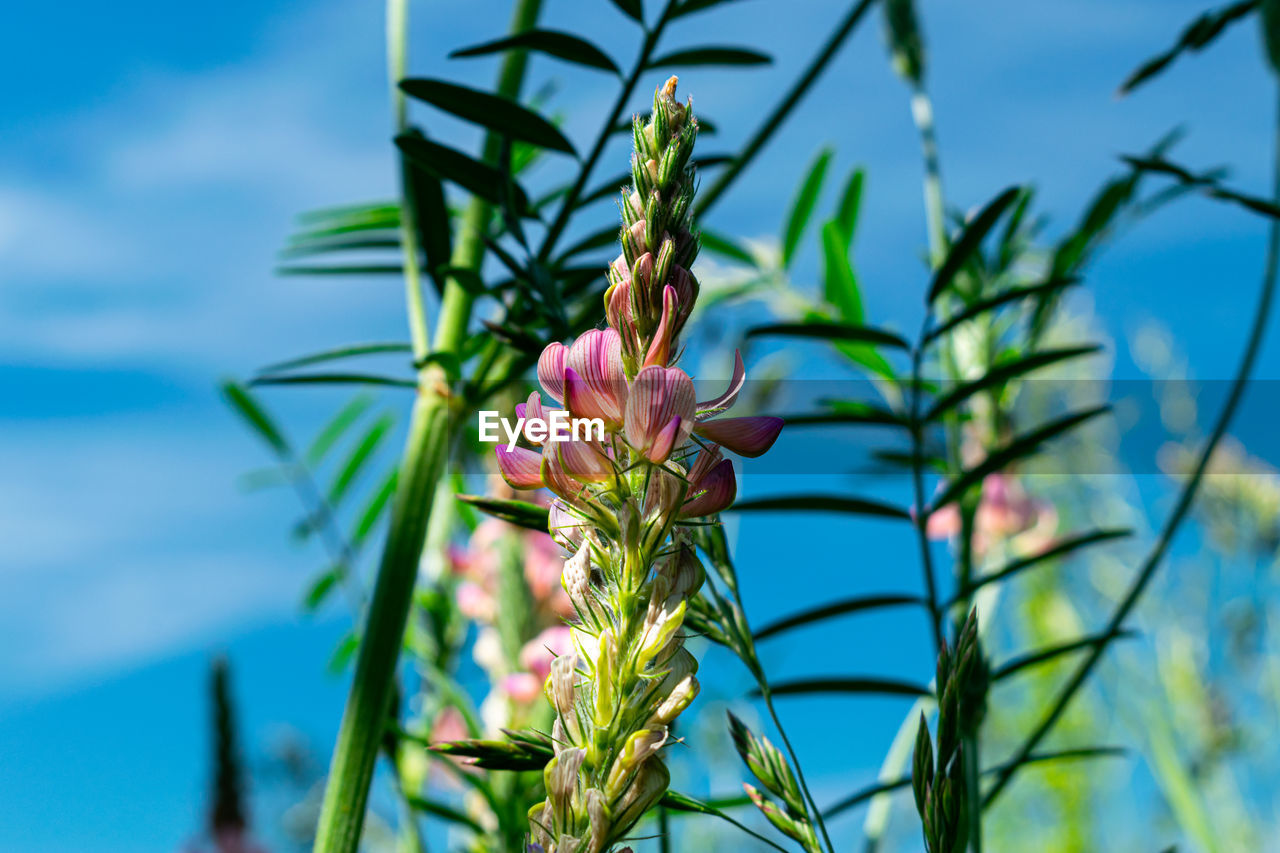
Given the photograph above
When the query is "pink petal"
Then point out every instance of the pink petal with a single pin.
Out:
(660, 347)
(584, 460)
(596, 358)
(551, 370)
(558, 480)
(715, 493)
(657, 395)
(711, 408)
(665, 441)
(520, 467)
(522, 687)
(744, 436)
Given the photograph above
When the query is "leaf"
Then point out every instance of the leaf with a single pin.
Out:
(822, 503)
(596, 240)
(334, 379)
(839, 282)
(1018, 448)
(501, 115)
(337, 425)
(679, 802)
(1210, 184)
(1197, 36)
(561, 45)
(631, 8)
(449, 164)
(349, 351)
(1061, 549)
(971, 237)
(725, 247)
(519, 751)
(520, 513)
(688, 7)
(710, 55)
(877, 686)
(248, 409)
(308, 248)
(831, 331)
(1002, 372)
(374, 508)
(871, 417)
(343, 652)
(802, 207)
(1003, 298)
(429, 214)
(1045, 655)
(867, 793)
(321, 587)
(359, 456)
(341, 269)
(850, 205)
(836, 608)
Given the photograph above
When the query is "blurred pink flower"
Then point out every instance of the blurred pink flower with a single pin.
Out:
(538, 653)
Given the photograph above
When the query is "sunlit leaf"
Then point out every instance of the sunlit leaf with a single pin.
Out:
(344, 652)
(802, 207)
(247, 407)
(336, 427)
(320, 588)
(849, 207)
(374, 508)
(493, 112)
(839, 282)
(358, 458)
(725, 247)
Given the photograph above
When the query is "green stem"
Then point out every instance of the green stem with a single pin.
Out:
(775, 119)
(921, 518)
(1185, 499)
(397, 59)
(423, 464)
(767, 694)
(934, 209)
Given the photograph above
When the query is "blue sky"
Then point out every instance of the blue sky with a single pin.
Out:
(151, 160)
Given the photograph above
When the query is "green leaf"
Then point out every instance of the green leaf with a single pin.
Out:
(829, 331)
(839, 282)
(336, 427)
(304, 248)
(1062, 549)
(849, 207)
(631, 8)
(341, 269)
(493, 112)
(253, 414)
(822, 503)
(725, 247)
(679, 802)
(429, 212)
(343, 652)
(836, 608)
(561, 45)
(971, 237)
(688, 7)
(1019, 448)
(449, 164)
(1209, 183)
(358, 458)
(875, 686)
(520, 750)
(334, 379)
(1051, 653)
(711, 55)
(1002, 372)
(1197, 36)
(321, 587)
(520, 513)
(1003, 298)
(446, 813)
(467, 278)
(374, 508)
(337, 353)
(802, 207)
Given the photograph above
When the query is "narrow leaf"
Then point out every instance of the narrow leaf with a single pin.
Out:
(822, 503)
(837, 608)
(1197, 35)
(850, 205)
(248, 409)
(321, 587)
(337, 425)
(449, 164)
(710, 55)
(1003, 372)
(520, 513)
(830, 331)
(334, 379)
(982, 306)
(341, 269)
(679, 802)
(1051, 653)
(1063, 548)
(336, 354)
(446, 813)
(374, 508)
(802, 207)
(561, 45)
(966, 245)
(875, 686)
(493, 112)
(839, 282)
(358, 457)
(725, 247)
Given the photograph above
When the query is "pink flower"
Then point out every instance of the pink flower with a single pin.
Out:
(538, 653)
(712, 485)
(660, 411)
(475, 603)
(522, 687)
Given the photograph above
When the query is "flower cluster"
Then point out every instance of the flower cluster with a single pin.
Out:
(619, 504)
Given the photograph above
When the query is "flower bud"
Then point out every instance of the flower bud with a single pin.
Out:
(598, 817)
(564, 674)
(636, 751)
(561, 774)
(684, 692)
(645, 789)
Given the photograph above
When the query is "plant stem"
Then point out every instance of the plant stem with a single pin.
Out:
(1185, 499)
(423, 463)
(397, 60)
(917, 477)
(775, 119)
(934, 208)
(565, 212)
(767, 694)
